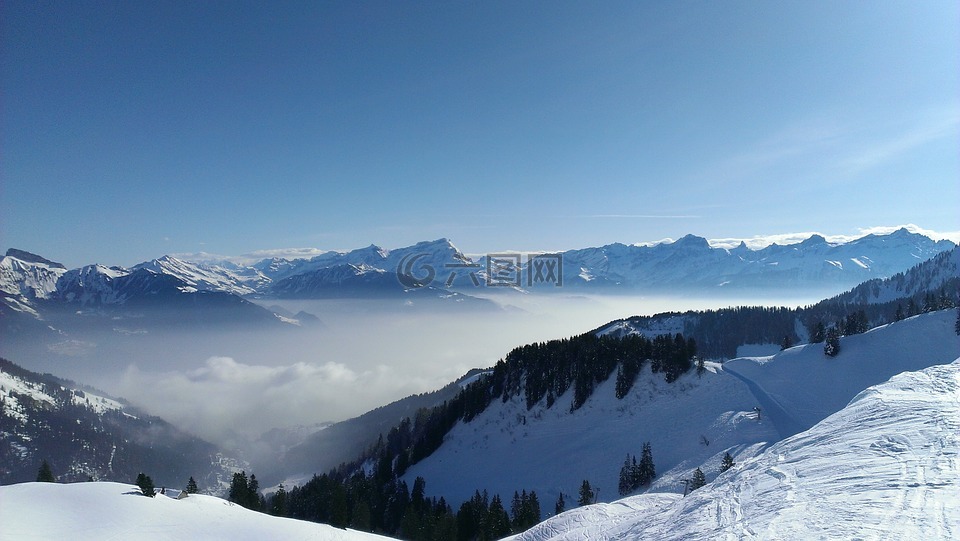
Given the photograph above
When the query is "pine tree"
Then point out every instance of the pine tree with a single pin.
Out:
(278, 504)
(239, 491)
(819, 333)
(698, 480)
(498, 523)
(912, 309)
(560, 506)
(533, 509)
(646, 471)
(625, 485)
(786, 343)
(727, 462)
(899, 315)
(192, 486)
(45, 475)
(832, 346)
(586, 493)
(146, 485)
(956, 326)
(253, 494)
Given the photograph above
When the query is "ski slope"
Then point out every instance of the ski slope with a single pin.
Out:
(100, 511)
(887, 466)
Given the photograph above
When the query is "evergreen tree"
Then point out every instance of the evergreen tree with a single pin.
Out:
(819, 333)
(625, 485)
(192, 486)
(586, 493)
(560, 506)
(278, 503)
(912, 309)
(498, 522)
(253, 494)
(786, 343)
(239, 490)
(832, 346)
(646, 471)
(45, 475)
(899, 315)
(533, 509)
(727, 462)
(956, 326)
(698, 480)
(145, 484)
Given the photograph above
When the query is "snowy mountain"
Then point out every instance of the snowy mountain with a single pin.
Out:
(223, 277)
(97, 511)
(24, 278)
(942, 272)
(691, 263)
(882, 467)
(84, 434)
(794, 390)
(165, 291)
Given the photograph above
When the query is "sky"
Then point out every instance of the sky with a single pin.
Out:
(134, 129)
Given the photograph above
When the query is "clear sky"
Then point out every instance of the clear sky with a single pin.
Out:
(135, 129)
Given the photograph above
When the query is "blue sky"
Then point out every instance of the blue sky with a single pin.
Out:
(135, 129)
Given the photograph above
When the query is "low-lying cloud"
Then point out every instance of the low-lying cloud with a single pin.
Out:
(228, 401)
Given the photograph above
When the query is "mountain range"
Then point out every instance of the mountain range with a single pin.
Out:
(436, 270)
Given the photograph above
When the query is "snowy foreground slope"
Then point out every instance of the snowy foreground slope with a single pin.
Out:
(887, 466)
(98, 511)
(508, 448)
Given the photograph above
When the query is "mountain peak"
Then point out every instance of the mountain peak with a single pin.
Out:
(33, 258)
(814, 240)
(692, 241)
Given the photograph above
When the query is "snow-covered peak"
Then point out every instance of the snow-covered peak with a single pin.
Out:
(29, 276)
(91, 285)
(28, 257)
(207, 277)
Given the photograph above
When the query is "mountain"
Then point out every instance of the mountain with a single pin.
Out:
(941, 272)
(794, 389)
(83, 434)
(879, 468)
(43, 299)
(691, 263)
(224, 277)
(25, 278)
(97, 511)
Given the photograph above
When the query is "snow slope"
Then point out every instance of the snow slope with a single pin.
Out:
(98, 511)
(884, 467)
(811, 386)
(553, 450)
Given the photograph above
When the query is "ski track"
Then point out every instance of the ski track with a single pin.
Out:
(784, 423)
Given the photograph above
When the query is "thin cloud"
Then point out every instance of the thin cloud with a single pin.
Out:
(936, 126)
